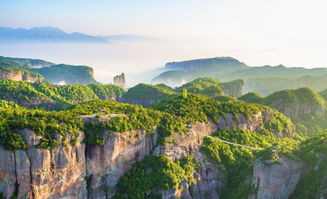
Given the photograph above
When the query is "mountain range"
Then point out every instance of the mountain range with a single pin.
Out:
(53, 34)
(261, 79)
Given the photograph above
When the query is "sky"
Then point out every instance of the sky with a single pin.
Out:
(257, 32)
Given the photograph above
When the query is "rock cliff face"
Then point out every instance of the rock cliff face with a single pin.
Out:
(41, 173)
(107, 163)
(92, 171)
(209, 179)
(119, 80)
(20, 76)
(71, 171)
(275, 180)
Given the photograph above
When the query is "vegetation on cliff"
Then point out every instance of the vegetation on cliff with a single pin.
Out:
(196, 108)
(155, 173)
(313, 152)
(53, 126)
(237, 162)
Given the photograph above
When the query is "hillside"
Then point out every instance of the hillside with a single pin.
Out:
(147, 95)
(42, 95)
(34, 70)
(211, 87)
(305, 107)
(252, 98)
(261, 79)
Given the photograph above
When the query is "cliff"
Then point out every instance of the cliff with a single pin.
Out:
(108, 159)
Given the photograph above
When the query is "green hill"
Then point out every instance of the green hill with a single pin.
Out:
(252, 98)
(212, 87)
(307, 109)
(42, 95)
(145, 95)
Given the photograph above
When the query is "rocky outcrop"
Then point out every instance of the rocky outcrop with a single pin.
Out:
(21, 76)
(229, 122)
(41, 173)
(275, 180)
(108, 163)
(119, 80)
(209, 180)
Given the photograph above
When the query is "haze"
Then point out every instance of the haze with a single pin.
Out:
(257, 32)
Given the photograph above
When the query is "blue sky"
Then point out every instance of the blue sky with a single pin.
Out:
(258, 32)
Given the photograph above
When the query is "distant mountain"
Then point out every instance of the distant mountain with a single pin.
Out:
(262, 79)
(32, 63)
(49, 34)
(185, 71)
(35, 70)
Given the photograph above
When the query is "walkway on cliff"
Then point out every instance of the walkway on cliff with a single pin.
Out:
(232, 143)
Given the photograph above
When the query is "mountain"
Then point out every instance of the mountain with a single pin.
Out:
(177, 72)
(45, 34)
(307, 109)
(68, 74)
(261, 79)
(34, 70)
